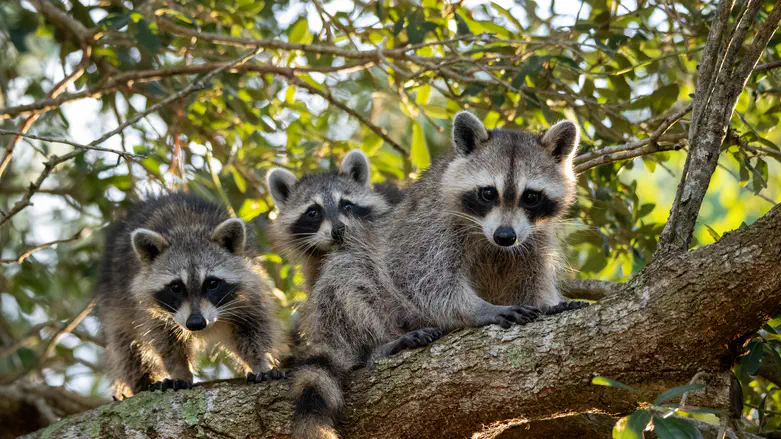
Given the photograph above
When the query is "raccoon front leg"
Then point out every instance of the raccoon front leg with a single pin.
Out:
(255, 347)
(177, 355)
(123, 357)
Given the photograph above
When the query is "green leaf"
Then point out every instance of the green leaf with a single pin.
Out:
(713, 234)
(299, 33)
(751, 362)
(241, 183)
(436, 111)
(632, 426)
(675, 428)
(602, 381)
(664, 97)
(759, 175)
(461, 27)
(146, 37)
(645, 209)
(419, 152)
(290, 95)
(676, 392)
(26, 355)
(252, 208)
(115, 21)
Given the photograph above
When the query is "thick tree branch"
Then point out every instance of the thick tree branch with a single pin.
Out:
(679, 316)
(717, 92)
(589, 289)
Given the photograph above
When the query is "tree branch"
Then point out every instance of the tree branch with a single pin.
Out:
(679, 316)
(30, 251)
(589, 289)
(48, 349)
(330, 98)
(53, 93)
(54, 160)
(718, 89)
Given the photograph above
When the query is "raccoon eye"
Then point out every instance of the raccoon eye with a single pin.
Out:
(313, 213)
(213, 284)
(488, 194)
(348, 207)
(176, 288)
(531, 198)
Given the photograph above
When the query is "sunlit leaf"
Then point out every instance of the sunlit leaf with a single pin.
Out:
(419, 152)
(632, 426)
(602, 381)
(675, 428)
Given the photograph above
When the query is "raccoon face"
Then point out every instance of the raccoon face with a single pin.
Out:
(315, 212)
(509, 183)
(192, 276)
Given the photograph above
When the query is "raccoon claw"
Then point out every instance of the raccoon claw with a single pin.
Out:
(272, 375)
(416, 339)
(170, 384)
(506, 316)
(566, 306)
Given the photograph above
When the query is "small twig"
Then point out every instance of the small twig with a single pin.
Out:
(626, 155)
(32, 250)
(71, 143)
(330, 98)
(694, 379)
(48, 348)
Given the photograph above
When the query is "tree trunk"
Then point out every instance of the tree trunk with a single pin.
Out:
(681, 315)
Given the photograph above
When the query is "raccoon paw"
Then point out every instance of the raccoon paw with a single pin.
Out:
(272, 375)
(415, 339)
(170, 384)
(566, 306)
(506, 316)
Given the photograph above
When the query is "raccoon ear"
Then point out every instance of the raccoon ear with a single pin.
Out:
(561, 140)
(232, 235)
(356, 166)
(468, 132)
(280, 182)
(147, 245)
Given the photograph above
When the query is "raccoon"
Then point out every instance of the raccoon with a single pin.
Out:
(314, 212)
(179, 273)
(471, 244)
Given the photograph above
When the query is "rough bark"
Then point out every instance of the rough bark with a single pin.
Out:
(719, 85)
(681, 315)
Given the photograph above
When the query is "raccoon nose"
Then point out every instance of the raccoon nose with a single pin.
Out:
(196, 322)
(504, 236)
(337, 233)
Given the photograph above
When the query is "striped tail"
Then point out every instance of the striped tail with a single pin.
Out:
(318, 390)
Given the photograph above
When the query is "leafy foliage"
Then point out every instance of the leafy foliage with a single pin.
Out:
(382, 76)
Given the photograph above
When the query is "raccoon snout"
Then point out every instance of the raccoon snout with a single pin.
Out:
(337, 232)
(196, 322)
(505, 236)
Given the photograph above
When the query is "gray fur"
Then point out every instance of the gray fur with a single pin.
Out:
(433, 263)
(180, 237)
(327, 191)
(356, 166)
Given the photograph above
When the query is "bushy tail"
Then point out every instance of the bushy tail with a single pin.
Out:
(318, 383)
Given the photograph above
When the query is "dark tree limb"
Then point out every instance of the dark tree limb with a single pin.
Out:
(681, 315)
(721, 80)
